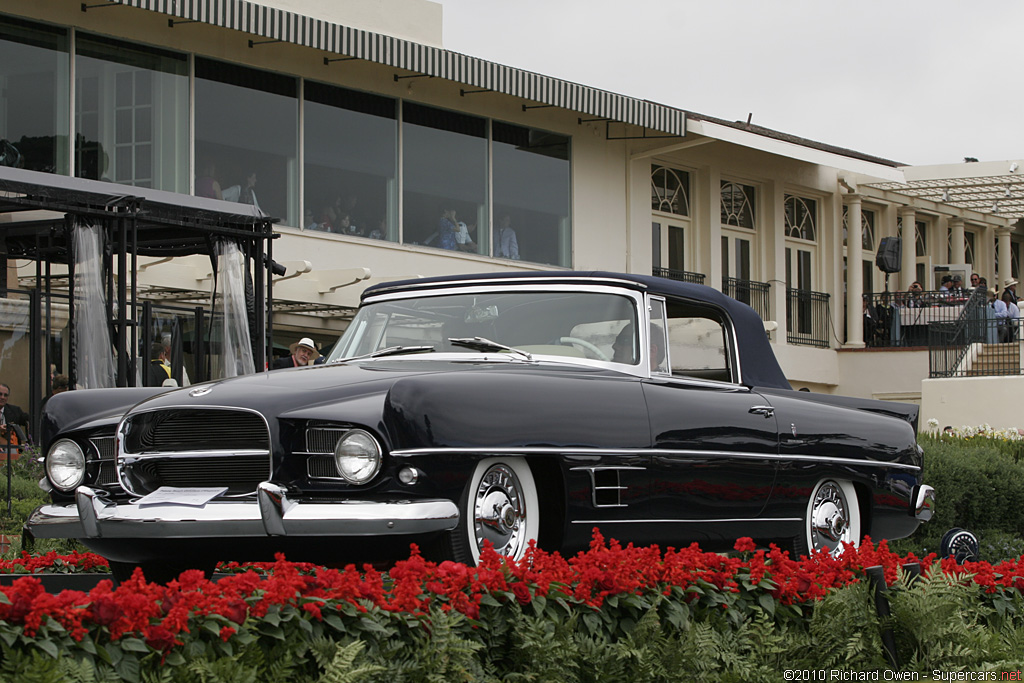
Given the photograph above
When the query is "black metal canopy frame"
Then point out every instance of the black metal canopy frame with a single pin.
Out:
(135, 222)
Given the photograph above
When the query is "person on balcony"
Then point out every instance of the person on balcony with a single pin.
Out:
(1009, 299)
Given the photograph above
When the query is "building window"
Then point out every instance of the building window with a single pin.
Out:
(131, 114)
(670, 190)
(801, 218)
(969, 240)
(737, 205)
(444, 175)
(350, 162)
(34, 92)
(867, 228)
(530, 170)
(246, 137)
(921, 243)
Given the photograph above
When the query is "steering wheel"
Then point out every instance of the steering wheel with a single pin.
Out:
(586, 346)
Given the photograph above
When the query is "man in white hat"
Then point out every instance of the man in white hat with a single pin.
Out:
(303, 351)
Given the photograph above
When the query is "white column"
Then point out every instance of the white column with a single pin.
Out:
(854, 274)
(1005, 246)
(956, 240)
(908, 267)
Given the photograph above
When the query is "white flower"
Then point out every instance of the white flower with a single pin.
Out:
(933, 423)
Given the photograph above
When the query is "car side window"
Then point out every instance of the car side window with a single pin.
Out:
(697, 342)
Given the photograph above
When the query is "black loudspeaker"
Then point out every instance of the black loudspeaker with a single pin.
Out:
(889, 255)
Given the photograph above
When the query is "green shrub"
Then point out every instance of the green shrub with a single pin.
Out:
(979, 484)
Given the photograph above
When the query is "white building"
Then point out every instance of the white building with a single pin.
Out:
(356, 109)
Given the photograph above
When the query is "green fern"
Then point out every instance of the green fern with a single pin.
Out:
(340, 669)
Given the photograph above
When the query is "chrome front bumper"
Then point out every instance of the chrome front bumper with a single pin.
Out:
(271, 514)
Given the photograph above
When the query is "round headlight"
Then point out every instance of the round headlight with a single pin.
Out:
(357, 457)
(65, 465)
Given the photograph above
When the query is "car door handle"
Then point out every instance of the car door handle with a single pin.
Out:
(767, 411)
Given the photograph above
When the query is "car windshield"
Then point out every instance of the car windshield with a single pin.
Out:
(594, 325)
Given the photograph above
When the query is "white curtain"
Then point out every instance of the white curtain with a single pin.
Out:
(229, 302)
(94, 353)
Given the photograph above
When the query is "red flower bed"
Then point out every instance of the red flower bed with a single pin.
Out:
(161, 615)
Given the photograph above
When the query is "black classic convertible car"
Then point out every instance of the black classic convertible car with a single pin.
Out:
(496, 408)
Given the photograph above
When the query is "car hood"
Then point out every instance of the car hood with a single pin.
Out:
(415, 403)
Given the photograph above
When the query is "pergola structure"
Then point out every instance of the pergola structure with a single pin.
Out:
(38, 212)
(995, 187)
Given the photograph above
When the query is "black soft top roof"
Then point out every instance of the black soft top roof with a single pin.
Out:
(757, 361)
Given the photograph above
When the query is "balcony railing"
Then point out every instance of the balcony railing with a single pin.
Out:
(898, 319)
(807, 318)
(681, 275)
(981, 345)
(754, 294)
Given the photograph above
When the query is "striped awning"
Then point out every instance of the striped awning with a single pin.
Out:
(277, 24)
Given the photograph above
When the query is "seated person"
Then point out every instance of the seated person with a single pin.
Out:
(14, 421)
(624, 351)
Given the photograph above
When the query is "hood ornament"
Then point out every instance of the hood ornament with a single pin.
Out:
(200, 391)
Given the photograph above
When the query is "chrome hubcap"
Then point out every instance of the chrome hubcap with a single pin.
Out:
(499, 511)
(829, 519)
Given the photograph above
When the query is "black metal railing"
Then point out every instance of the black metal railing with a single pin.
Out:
(807, 318)
(901, 319)
(979, 346)
(754, 294)
(681, 275)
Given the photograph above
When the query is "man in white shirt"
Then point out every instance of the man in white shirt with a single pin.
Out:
(507, 243)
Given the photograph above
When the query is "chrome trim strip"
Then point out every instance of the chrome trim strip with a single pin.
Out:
(575, 283)
(92, 516)
(148, 455)
(547, 450)
(686, 521)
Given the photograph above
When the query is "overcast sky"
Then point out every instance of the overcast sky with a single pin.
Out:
(918, 82)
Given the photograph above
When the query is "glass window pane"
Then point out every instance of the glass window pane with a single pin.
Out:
(670, 190)
(676, 248)
(531, 194)
(444, 172)
(656, 244)
(351, 152)
(247, 132)
(123, 86)
(34, 91)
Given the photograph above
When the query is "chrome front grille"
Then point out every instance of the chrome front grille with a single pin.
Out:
(104, 448)
(321, 439)
(195, 447)
(190, 429)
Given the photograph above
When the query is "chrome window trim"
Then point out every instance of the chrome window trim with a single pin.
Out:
(733, 349)
(624, 288)
(689, 453)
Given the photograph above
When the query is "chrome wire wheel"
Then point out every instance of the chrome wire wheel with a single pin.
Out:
(502, 508)
(832, 518)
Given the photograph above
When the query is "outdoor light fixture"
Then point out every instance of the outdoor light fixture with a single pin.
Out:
(1008, 193)
(995, 207)
(1014, 166)
(945, 195)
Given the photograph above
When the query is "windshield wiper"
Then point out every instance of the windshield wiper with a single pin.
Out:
(389, 351)
(481, 344)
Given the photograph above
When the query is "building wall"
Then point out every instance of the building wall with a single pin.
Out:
(972, 401)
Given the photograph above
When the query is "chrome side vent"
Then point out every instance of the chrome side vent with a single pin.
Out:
(607, 488)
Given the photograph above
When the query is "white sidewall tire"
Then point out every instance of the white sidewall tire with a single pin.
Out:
(849, 497)
(531, 505)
